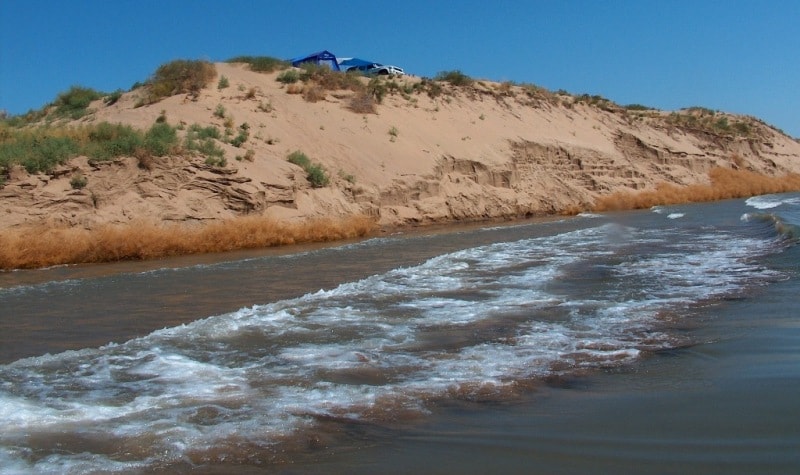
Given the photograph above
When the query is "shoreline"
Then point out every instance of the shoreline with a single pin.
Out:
(427, 153)
(36, 247)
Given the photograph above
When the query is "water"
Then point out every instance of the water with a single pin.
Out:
(664, 340)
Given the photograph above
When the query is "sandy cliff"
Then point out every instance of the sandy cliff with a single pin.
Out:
(481, 151)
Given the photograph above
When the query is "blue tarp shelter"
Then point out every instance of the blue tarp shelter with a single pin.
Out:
(353, 62)
(321, 57)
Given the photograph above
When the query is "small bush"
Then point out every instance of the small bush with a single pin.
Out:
(295, 89)
(202, 140)
(223, 83)
(290, 76)
(377, 89)
(362, 102)
(206, 147)
(261, 64)
(299, 158)
(78, 182)
(314, 93)
(244, 134)
(433, 89)
(202, 133)
(455, 77)
(315, 174)
(180, 77)
(219, 111)
(266, 106)
(216, 161)
(74, 103)
(107, 141)
(742, 128)
(161, 139)
(37, 151)
(112, 98)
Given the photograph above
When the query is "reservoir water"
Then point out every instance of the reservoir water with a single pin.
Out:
(665, 340)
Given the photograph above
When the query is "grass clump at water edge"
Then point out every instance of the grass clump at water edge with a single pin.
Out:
(723, 184)
(43, 246)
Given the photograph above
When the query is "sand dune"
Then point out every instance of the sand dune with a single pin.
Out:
(484, 151)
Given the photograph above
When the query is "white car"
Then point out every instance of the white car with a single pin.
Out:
(377, 69)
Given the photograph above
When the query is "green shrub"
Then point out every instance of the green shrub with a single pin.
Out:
(315, 174)
(216, 161)
(107, 141)
(290, 76)
(180, 77)
(433, 89)
(78, 182)
(377, 89)
(112, 98)
(223, 82)
(219, 111)
(244, 134)
(240, 139)
(202, 140)
(722, 124)
(300, 159)
(37, 151)
(261, 64)
(455, 77)
(197, 132)
(74, 103)
(742, 128)
(161, 139)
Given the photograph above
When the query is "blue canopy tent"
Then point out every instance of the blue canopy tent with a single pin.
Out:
(354, 62)
(322, 57)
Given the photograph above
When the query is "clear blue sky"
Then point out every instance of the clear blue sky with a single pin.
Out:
(735, 55)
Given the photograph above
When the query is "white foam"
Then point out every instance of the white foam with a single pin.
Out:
(675, 215)
(406, 336)
(771, 201)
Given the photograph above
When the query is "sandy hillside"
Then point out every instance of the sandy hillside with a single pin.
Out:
(482, 151)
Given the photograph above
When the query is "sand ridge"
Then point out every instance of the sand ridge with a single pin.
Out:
(487, 151)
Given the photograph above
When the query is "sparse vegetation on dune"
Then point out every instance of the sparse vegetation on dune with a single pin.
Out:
(315, 174)
(261, 64)
(178, 77)
(47, 246)
(42, 149)
(724, 183)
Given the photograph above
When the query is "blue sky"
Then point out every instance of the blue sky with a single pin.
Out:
(735, 55)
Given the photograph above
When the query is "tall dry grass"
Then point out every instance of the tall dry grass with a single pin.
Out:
(724, 183)
(36, 247)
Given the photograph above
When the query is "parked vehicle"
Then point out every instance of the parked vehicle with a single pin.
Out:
(377, 69)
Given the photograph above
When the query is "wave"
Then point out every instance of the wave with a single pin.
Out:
(772, 201)
(775, 226)
(480, 324)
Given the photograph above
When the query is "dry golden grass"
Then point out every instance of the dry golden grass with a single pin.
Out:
(36, 247)
(724, 184)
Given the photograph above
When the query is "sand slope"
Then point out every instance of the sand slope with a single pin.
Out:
(478, 152)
